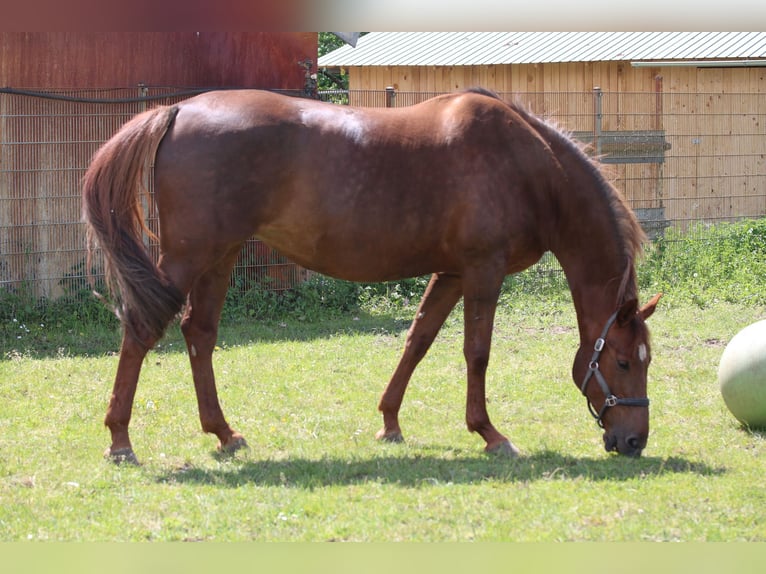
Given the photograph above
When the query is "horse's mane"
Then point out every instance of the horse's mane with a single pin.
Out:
(628, 230)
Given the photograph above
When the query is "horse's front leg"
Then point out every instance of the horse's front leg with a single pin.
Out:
(199, 326)
(440, 297)
(481, 290)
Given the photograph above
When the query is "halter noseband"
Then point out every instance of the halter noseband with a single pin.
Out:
(593, 371)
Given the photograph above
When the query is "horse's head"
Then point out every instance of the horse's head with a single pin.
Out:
(610, 369)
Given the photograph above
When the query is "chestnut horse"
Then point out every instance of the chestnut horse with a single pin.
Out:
(464, 187)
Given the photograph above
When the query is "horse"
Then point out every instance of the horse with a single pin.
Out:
(465, 188)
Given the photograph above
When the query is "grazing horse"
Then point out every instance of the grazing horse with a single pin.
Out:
(465, 187)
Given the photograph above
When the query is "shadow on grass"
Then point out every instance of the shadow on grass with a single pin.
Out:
(412, 471)
(758, 432)
(40, 342)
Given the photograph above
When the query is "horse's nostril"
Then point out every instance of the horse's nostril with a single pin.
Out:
(635, 442)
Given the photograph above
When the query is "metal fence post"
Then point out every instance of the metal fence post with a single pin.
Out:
(390, 97)
(597, 118)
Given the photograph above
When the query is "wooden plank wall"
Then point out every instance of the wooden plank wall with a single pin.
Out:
(574, 77)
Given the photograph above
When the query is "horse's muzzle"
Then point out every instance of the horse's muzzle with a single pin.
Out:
(631, 446)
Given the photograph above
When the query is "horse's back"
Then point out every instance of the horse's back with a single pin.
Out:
(429, 121)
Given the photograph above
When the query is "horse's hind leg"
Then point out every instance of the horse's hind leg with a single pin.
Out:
(132, 352)
(199, 325)
(440, 297)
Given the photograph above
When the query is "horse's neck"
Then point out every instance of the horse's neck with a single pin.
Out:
(590, 253)
(584, 235)
(595, 284)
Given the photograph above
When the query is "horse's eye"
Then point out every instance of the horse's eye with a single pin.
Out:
(623, 365)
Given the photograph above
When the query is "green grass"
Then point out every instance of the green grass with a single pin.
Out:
(305, 396)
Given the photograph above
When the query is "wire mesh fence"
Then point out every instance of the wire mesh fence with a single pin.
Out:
(679, 158)
(46, 143)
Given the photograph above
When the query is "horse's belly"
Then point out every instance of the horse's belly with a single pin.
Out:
(357, 256)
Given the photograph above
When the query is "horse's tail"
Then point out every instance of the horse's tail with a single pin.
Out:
(145, 300)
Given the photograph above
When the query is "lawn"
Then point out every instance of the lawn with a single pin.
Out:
(304, 393)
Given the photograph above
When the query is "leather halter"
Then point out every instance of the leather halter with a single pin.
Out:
(593, 371)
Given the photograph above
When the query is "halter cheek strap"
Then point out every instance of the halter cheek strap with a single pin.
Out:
(594, 372)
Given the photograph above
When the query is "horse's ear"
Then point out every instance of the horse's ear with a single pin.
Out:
(630, 308)
(627, 312)
(648, 310)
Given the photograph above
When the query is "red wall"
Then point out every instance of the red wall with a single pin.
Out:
(125, 59)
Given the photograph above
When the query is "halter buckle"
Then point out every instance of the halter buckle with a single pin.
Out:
(599, 346)
(611, 401)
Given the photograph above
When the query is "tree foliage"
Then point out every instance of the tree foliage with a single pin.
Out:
(328, 42)
(331, 79)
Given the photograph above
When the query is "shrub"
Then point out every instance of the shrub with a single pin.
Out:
(316, 297)
(709, 263)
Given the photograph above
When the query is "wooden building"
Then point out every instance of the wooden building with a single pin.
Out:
(681, 116)
(64, 93)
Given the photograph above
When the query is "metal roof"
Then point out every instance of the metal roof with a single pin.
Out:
(484, 48)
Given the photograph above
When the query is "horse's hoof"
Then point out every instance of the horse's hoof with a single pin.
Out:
(122, 456)
(395, 436)
(505, 448)
(233, 445)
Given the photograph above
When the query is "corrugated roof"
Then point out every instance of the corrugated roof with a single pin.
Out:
(484, 48)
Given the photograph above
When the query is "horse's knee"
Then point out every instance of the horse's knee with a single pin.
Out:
(200, 340)
(477, 362)
(417, 345)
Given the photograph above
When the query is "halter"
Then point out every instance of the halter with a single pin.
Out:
(593, 371)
